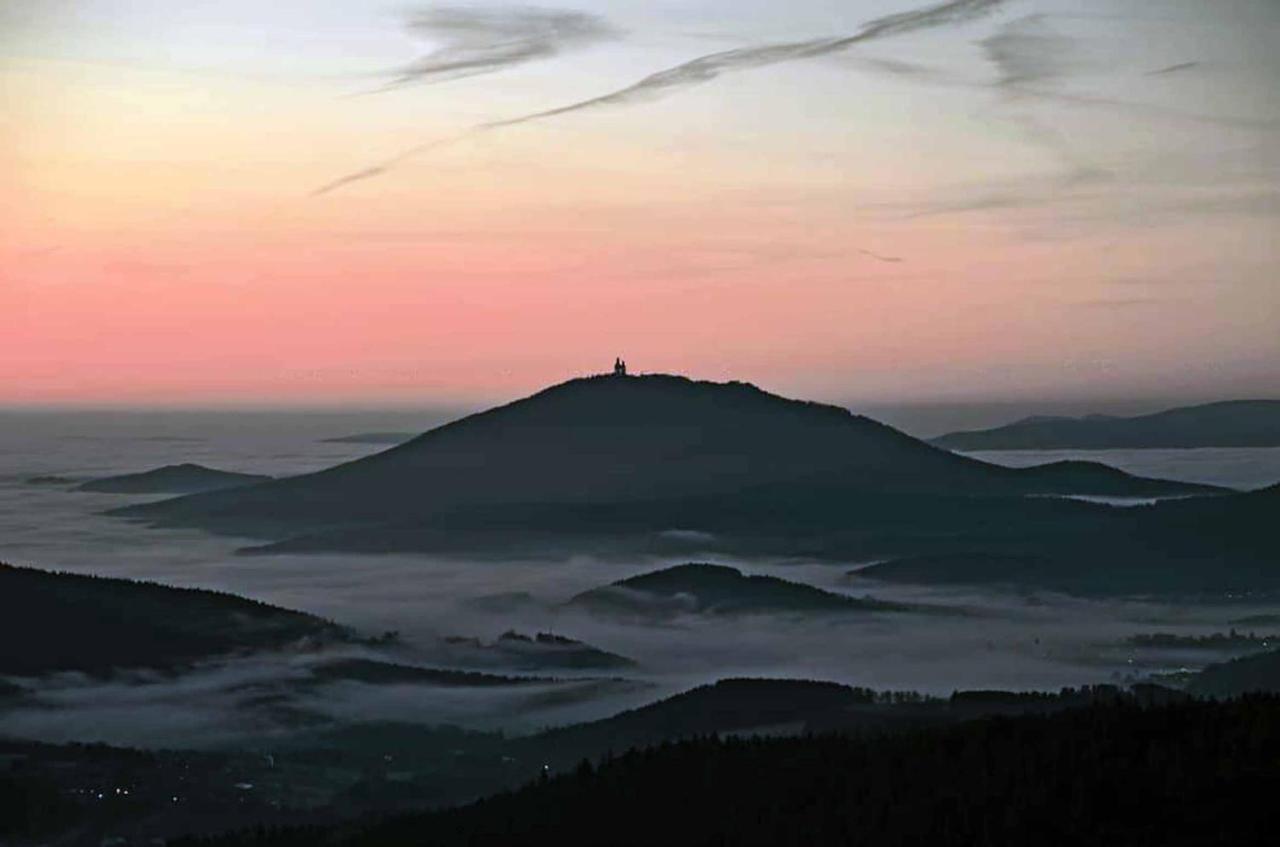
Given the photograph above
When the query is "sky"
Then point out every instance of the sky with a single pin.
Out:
(870, 201)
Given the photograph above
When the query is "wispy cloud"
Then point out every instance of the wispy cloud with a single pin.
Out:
(880, 257)
(481, 41)
(384, 166)
(710, 66)
(1028, 55)
(706, 68)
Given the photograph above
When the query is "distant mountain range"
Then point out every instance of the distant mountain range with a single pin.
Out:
(1232, 423)
(186, 478)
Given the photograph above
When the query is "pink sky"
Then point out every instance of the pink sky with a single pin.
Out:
(822, 228)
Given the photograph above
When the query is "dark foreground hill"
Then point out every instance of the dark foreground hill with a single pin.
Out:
(326, 774)
(186, 478)
(619, 440)
(1232, 423)
(698, 588)
(1190, 773)
(66, 622)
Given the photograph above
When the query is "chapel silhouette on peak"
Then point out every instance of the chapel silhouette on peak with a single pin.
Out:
(619, 367)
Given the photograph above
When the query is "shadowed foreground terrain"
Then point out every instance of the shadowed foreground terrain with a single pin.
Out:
(1112, 773)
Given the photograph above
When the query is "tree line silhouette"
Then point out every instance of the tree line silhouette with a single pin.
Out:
(1186, 772)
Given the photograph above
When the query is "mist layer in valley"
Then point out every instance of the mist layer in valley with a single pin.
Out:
(380, 682)
(993, 639)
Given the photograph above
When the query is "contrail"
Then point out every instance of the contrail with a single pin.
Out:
(706, 68)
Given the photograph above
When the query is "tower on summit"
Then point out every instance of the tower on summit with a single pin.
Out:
(619, 367)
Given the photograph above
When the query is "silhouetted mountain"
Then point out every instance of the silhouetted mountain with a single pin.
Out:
(62, 622)
(186, 478)
(612, 443)
(1184, 773)
(371, 438)
(716, 589)
(1232, 423)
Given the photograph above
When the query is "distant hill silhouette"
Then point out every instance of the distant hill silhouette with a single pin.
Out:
(1231, 423)
(717, 589)
(186, 478)
(613, 443)
(66, 622)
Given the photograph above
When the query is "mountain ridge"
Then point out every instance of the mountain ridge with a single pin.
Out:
(1224, 423)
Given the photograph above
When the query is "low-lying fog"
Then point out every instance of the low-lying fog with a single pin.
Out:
(1001, 640)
